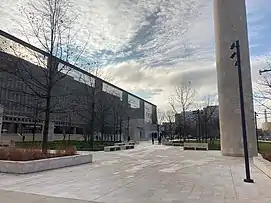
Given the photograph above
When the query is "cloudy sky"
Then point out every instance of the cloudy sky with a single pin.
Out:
(148, 46)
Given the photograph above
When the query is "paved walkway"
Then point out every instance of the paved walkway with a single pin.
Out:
(149, 174)
(11, 197)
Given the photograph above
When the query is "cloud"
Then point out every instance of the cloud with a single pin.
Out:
(148, 46)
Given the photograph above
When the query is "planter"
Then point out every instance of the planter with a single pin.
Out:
(263, 165)
(24, 167)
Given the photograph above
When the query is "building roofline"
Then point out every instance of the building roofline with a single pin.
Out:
(36, 49)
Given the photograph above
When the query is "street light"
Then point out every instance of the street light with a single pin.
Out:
(128, 127)
(236, 48)
(263, 71)
(257, 134)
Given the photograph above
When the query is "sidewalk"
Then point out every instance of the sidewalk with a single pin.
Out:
(147, 174)
(11, 197)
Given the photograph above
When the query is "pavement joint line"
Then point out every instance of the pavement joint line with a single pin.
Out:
(124, 185)
(233, 184)
(44, 197)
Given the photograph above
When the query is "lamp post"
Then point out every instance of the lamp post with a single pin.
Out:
(197, 123)
(257, 134)
(128, 127)
(236, 53)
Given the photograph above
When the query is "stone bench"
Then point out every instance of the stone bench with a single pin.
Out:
(168, 142)
(119, 144)
(124, 147)
(176, 143)
(195, 146)
(131, 143)
(112, 148)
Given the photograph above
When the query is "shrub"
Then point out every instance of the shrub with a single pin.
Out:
(267, 156)
(27, 154)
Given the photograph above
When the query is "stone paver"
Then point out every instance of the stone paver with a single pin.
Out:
(11, 197)
(149, 174)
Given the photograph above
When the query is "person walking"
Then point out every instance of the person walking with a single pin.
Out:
(152, 138)
(159, 139)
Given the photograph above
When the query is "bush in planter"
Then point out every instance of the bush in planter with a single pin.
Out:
(18, 154)
(267, 156)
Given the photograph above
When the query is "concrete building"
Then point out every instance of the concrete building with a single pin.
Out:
(207, 118)
(115, 112)
(230, 24)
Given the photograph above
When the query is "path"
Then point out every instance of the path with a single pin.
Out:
(149, 174)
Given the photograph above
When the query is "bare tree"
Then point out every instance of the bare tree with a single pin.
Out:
(209, 118)
(51, 27)
(119, 113)
(160, 116)
(169, 117)
(160, 119)
(262, 92)
(182, 99)
(92, 106)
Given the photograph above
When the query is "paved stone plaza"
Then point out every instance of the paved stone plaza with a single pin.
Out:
(148, 174)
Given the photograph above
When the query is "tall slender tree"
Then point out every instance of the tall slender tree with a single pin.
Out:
(182, 99)
(49, 25)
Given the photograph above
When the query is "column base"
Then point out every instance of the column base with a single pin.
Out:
(236, 154)
(248, 181)
(232, 154)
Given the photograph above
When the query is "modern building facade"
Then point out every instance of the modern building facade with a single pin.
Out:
(75, 99)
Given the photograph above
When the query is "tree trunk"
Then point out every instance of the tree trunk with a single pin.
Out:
(92, 125)
(34, 132)
(184, 126)
(120, 128)
(46, 125)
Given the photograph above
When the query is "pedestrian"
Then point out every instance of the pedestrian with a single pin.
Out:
(152, 138)
(23, 138)
(129, 138)
(159, 139)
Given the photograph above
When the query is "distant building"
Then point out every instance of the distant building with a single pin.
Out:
(169, 128)
(206, 119)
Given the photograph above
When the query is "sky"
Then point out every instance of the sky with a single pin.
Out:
(149, 46)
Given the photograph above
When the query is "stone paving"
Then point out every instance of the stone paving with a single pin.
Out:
(149, 174)
(11, 197)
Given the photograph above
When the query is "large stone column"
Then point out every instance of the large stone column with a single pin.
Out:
(230, 24)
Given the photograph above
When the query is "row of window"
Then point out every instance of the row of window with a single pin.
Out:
(19, 119)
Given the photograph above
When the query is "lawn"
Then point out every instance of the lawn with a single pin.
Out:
(264, 147)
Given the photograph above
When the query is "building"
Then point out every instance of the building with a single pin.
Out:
(169, 129)
(118, 113)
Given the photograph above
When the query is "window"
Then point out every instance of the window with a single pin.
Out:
(1, 82)
(10, 81)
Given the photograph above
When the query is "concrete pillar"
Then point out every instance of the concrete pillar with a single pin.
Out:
(230, 24)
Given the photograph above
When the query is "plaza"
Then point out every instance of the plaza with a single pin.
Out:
(147, 174)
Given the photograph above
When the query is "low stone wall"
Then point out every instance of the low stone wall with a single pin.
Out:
(24, 167)
(263, 165)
